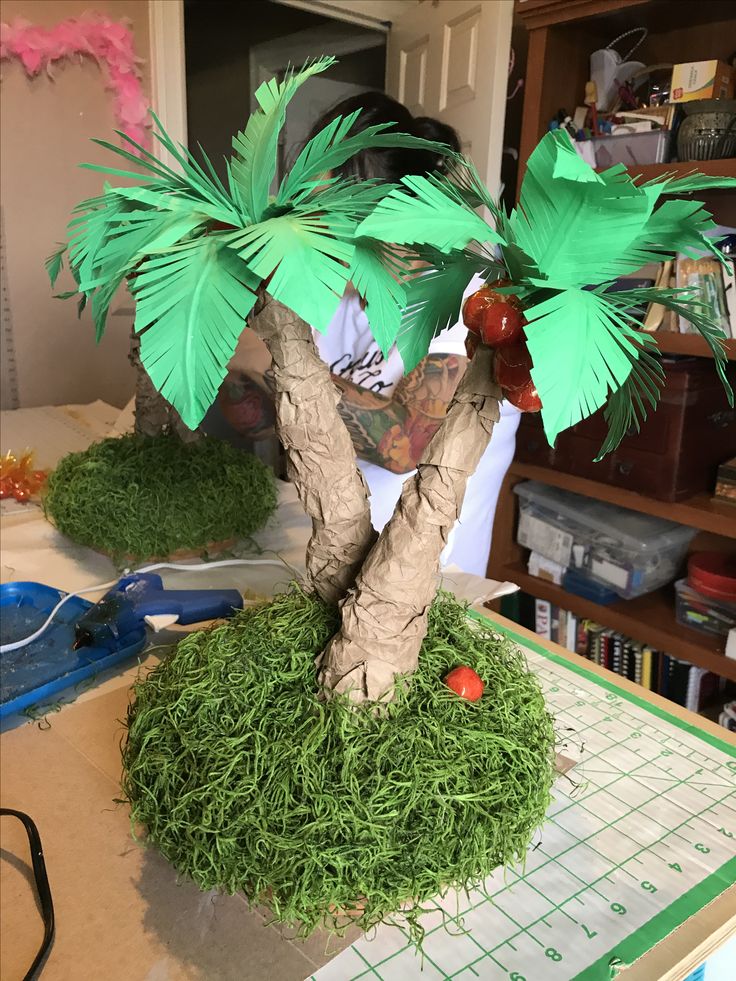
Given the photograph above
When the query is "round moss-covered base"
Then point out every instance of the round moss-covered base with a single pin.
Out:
(138, 498)
(247, 780)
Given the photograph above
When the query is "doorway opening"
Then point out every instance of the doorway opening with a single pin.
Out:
(231, 47)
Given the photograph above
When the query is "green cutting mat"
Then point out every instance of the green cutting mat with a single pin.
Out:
(641, 835)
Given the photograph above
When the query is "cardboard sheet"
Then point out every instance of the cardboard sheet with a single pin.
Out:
(120, 912)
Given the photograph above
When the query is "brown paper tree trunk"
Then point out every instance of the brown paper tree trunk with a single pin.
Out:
(153, 414)
(320, 455)
(384, 619)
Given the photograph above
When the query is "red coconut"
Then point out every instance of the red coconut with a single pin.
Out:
(513, 373)
(466, 683)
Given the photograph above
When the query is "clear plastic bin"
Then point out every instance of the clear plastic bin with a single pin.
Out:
(629, 552)
(694, 609)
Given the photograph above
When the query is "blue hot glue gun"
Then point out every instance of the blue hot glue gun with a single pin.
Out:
(141, 598)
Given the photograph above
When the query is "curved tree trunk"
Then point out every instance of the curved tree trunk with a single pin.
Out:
(320, 454)
(153, 414)
(384, 619)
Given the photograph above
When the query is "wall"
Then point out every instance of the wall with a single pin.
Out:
(46, 125)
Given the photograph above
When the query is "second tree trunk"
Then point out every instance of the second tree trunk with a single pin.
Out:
(153, 414)
(320, 455)
(384, 619)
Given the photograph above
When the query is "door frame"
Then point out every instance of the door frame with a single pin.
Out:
(167, 55)
(271, 57)
(168, 71)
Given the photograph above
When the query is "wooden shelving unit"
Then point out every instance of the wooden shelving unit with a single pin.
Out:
(713, 168)
(649, 619)
(692, 345)
(699, 511)
(562, 35)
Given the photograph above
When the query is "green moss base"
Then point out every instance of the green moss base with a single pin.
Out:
(140, 497)
(247, 782)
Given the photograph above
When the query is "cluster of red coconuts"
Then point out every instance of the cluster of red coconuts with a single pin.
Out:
(496, 319)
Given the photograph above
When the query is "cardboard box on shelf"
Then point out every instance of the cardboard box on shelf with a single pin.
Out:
(701, 80)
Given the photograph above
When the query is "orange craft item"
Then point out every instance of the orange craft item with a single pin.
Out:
(17, 479)
(466, 683)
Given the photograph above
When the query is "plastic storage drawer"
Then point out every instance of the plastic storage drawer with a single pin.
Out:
(629, 552)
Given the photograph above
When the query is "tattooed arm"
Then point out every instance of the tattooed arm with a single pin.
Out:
(246, 402)
(394, 431)
(390, 431)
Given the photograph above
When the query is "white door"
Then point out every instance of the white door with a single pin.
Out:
(449, 59)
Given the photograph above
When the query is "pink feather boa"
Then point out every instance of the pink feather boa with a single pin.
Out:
(109, 42)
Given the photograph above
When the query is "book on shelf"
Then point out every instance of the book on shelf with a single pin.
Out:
(678, 680)
(543, 618)
(706, 276)
(726, 482)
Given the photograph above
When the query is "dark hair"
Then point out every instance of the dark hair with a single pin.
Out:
(389, 163)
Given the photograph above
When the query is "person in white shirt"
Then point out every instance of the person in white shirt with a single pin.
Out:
(391, 416)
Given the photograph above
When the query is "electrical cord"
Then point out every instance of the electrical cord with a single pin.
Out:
(42, 888)
(205, 566)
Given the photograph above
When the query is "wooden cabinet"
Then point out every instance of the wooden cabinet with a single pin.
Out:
(675, 454)
(562, 35)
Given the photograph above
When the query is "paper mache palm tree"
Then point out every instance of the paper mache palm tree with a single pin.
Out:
(311, 817)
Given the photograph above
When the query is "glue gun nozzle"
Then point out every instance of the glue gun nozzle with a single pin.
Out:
(82, 639)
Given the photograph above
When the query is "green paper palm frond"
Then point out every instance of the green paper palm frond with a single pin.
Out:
(377, 272)
(434, 296)
(55, 263)
(572, 234)
(685, 302)
(198, 247)
(600, 350)
(627, 407)
(307, 261)
(574, 224)
(333, 146)
(580, 229)
(676, 226)
(255, 148)
(422, 212)
(669, 184)
(191, 304)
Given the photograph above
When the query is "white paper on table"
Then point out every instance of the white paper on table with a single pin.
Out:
(125, 421)
(473, 589)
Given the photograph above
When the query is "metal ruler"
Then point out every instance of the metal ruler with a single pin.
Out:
(9, 397)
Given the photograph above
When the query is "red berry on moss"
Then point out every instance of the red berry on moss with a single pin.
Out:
(466, 683)
(471, 344)
(21, 493)
(513, 374)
